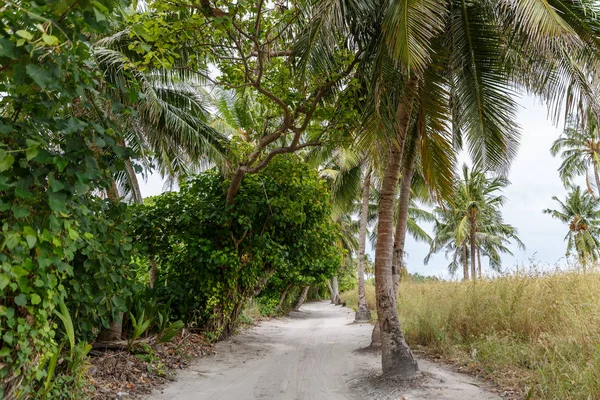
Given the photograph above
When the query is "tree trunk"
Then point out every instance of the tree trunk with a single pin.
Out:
(113, 332)
(362, 311)
(479, 262)
(597, 178)
(402, 215)
(336, 291)
(399, 236)
(234, 186)
(465, 263)
(113, 193)
(331, 292)
(282, 298)
(473, 251)
(301, 298)
(396, 357)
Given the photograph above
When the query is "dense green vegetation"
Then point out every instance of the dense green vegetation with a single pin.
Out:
(278, 122)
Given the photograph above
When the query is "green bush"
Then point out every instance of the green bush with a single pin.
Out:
(214, 258)
(57, 153)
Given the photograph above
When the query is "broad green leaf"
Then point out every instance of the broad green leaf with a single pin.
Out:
(39, 75)
(12, 240)
(21, 300)
(50, 40)
(35, 299)
(24, 34)
(19, 271)
(20, 212)
(6, 161)
(4, 280)
(31, 153)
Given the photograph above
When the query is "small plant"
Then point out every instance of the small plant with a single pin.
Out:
(140, 326)
(168, 333)
(66, 375)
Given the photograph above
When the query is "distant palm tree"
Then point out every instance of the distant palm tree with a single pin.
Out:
(582, 213)
(579, 148)
(473, 223)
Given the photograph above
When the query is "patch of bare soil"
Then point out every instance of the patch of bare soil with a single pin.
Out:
(123, 375)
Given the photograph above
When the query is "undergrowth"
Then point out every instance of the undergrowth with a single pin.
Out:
(537, 333)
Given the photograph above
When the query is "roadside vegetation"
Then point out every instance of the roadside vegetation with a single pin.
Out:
(275, 124)
(529, 332)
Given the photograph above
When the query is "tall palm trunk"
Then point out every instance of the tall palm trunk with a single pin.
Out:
(396, 357)
(362, 311)
(479, 261)
(465, 263)
(473, 253)
(597, 177)
(400, 233)
(402, 216)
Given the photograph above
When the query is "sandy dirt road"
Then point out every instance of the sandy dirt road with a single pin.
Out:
(310, 355)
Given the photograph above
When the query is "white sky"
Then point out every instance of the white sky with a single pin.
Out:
(534, 180)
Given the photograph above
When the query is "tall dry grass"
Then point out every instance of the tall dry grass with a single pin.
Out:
(538, 333)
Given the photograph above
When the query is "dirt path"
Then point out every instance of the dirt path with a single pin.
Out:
(310, 355)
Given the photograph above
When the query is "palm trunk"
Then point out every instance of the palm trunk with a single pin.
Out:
(301, 298)
(362, 311)
(336, 291)
(479, 262)
(399, 236)
(396, 357)
(402, 217)
(465, 263)
(597, 177)
(473, 251)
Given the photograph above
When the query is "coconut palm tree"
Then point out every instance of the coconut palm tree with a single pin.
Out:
(579, 148)
(170, 123)
(582, 213)
(472, 223)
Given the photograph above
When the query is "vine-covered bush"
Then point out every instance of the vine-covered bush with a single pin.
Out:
(57, 154)
(213, 258)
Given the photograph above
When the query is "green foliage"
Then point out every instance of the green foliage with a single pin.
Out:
(58, 239)
(213, 258)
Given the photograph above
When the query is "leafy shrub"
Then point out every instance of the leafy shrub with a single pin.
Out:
(213, 258)
(57, 153)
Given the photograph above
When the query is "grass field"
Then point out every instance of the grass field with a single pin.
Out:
(537, 333)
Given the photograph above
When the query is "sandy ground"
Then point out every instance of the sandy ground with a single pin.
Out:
(313, 354)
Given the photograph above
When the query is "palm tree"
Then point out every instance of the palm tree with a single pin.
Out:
(480, 87)
(579, 148)
(170, 125)
(472, 223)
(362, 310)
(582, 213)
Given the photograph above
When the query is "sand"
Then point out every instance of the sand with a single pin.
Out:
(314, 354)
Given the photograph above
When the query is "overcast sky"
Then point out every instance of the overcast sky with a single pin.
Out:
(534, 180)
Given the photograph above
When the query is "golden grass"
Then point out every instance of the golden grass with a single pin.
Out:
(538, 333)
